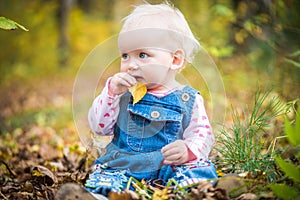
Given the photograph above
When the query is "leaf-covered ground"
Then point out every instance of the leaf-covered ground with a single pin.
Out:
(35, 163)
(40, 151)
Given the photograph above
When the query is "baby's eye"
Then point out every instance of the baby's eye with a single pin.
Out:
(143, 55)
(125, 56)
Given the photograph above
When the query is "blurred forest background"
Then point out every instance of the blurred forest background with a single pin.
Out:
(254, 43)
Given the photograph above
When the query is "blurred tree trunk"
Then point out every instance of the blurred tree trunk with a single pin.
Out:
(63, 14)
(103, 8)
(86, 5)
(109, 7)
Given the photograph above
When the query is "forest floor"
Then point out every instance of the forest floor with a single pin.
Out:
(41, 150)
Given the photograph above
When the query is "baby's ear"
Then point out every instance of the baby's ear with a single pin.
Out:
(178, 60)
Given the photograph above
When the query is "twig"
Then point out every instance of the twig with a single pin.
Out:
(273, 144)
(3, 196)
(129, 182)
(8, 168)
(142, 192)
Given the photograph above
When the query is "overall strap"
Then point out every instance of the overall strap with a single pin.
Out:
(187, 95)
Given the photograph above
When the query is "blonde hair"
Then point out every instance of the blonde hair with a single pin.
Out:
(170, 18)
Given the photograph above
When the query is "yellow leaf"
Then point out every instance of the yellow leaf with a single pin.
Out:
(138, 91)
(220, 173)
(37, 173)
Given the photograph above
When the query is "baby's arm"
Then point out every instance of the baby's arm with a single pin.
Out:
(197, 138)
(198, 135)
(105, 109)
(104, 112)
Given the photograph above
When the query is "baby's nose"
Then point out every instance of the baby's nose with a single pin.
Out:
(132, 66)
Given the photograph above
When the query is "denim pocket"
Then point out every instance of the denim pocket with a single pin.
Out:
(150, 127)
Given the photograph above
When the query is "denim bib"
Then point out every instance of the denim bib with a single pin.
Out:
(144, 128)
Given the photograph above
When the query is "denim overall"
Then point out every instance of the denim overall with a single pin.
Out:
(140, 133)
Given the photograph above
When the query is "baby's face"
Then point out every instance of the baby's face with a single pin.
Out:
(149, 66)
(147, 50)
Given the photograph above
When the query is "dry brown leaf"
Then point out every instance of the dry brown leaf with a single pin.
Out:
(48, 152)
(247, 196)
(44, 174)
(205, 186)
(122, 195)
(133, 194)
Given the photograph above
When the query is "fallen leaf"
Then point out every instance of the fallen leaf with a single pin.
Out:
(48, 152)
(138, 91)
(43, 173)
(121, 195)
(247, 196)
(11, 187)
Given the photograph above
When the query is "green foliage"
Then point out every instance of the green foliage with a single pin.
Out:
(284, 191)
(241, 146)
(8, 24)
(295, 55)
(58, 118)
(29, 55)
(291, 170)
(293, 132)
(215, 24)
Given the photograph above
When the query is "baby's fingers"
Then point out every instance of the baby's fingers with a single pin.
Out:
(173, 157)
(174, 160)
(129, 79)
(122, 80)
(125, 79)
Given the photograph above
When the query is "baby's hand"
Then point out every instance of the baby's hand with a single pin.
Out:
(120, 82)
(175, 153)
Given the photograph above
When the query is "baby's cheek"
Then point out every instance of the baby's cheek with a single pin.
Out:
(123, 68)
